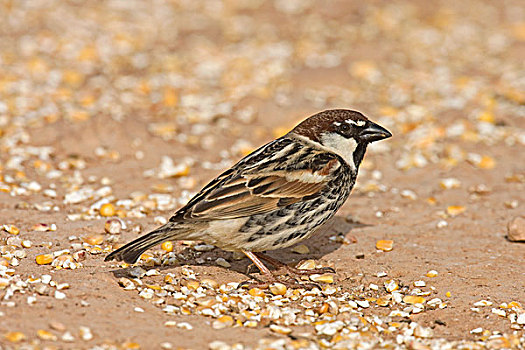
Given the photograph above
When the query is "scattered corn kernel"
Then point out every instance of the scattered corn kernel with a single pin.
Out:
(93, 240)
(432, 273)
(210, 283)
(385, 245)
(325, 278)
(14, 337)
(46, 335)
(107, 209)
(449, 183)
(278, 289)
(113, 226)
(486, 162)
(12, 229)
(454, 210)
(256, 292)
(223, 322)
(167, 246)
(413, 299)
(391, 285)
(130, 345)
(280, 329)
(193, 284)
(44, 259)
(307, 265)
(382, 301)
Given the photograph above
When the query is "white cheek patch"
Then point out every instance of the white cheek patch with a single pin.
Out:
(341, 145)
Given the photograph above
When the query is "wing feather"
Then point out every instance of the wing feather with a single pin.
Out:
(247, 189)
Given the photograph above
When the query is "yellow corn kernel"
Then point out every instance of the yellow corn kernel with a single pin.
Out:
(385, 245)
(107, 209)
(44, 259)
(167, 246)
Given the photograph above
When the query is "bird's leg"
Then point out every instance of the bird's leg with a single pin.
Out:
(265, 271)
(293, 270)
(253, 257)
(269, 275)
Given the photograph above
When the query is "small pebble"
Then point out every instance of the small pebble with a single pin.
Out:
(300, 249)
(516, 229)
(222, 263)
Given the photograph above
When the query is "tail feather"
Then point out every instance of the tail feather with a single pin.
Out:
(131, 252)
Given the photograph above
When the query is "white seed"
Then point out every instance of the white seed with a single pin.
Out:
(166, 345)
(280, 329)
(85, 333)
(185, 325)
(59, 295)
(68, 337)
(441, 224)
(476, 330)
(363, 303)
(152, 272)
(423, 332)
(218, 345)
(499, 312)
(307, 265)
(329, 328)
(409, 194)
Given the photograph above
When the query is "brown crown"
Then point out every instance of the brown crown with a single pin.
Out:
(323, 122)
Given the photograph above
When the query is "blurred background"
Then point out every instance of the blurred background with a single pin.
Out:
(443, 68)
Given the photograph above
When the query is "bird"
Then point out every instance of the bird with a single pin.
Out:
(276, 196)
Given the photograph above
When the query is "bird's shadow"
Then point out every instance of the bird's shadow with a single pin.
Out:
(326, 239)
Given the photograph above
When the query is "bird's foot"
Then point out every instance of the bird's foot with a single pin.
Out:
(271, 278)
(293, 270)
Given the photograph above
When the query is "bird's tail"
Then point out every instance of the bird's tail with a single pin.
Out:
(131, 252)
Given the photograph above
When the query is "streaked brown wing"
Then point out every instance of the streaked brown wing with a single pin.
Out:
(254, 195)
(262, 182)
(257, 193)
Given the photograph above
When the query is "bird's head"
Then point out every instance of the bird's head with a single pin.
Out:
(342, 131)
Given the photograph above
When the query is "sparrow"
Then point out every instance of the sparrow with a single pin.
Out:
(277, 195)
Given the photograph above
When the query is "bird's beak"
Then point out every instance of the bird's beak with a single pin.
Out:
(374, 132)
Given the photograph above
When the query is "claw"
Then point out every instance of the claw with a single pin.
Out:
(271, 278)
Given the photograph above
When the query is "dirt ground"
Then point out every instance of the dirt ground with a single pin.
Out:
(124, 109)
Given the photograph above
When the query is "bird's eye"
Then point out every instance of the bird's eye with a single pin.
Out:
(345, 127)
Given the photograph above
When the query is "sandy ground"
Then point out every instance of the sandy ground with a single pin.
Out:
(131, 107)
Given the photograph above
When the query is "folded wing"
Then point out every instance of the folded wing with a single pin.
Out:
(250, 190)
